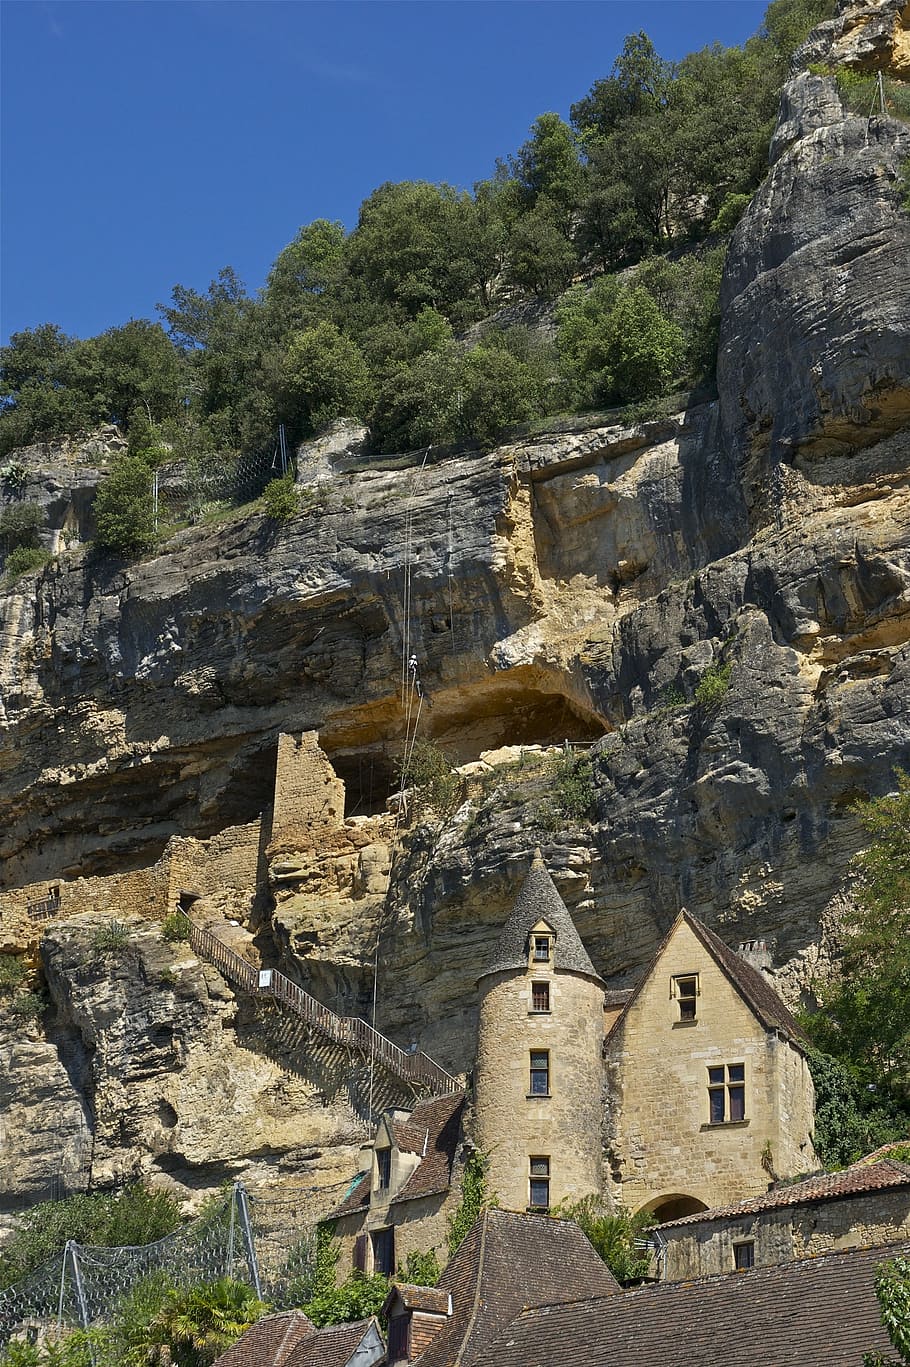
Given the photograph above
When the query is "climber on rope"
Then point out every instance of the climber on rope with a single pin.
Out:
(412, 668)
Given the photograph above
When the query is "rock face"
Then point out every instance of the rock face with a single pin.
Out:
(719, 604)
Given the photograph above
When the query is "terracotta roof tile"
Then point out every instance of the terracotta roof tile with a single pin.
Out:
(434, 1128)
(538, 900)
(269, 1342)
(331, 1346)
(508, 1261)
(825, 1186)
(799, 1314)
(430, 1298)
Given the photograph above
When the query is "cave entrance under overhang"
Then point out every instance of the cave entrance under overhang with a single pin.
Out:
(529, 705)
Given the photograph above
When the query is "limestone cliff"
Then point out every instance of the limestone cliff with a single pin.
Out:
(571, 586)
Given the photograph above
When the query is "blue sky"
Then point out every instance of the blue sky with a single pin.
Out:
(150, 142)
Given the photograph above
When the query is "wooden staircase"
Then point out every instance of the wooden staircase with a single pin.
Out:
(417, 1071)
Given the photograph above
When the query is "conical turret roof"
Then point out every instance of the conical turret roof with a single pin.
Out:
(538, 900)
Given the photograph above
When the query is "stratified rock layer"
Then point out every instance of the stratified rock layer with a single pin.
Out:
(720, 604)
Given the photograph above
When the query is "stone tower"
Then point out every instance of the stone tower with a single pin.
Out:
(539, 1071)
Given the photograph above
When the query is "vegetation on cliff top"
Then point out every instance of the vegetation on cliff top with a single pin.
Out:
(655, 156)
(862, 1026)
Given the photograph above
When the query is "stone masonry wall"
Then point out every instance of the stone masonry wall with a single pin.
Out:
(510, 1125)
(662, 1142)
(804, 1231)
(307, 792)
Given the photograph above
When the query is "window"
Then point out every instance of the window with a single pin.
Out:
(744, 1255)
(384, 1251)
(542, 949)
(398, 1338)
(384, 1164)
(539, 1187)
(540, 1072)
(727, 1093)
(540, 996)
(686, 992)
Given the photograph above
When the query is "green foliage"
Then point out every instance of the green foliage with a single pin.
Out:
(20, 524)
(865, 1016)
(133, 1215)
(280, 500)
(175, 928)
(26, 559)
(713, 685)
(14, 475)
(13, 973)
(27, 1006)
(124, 515)
(428, 771)
(892, 1288)
(612, 1234)
(730, 212)
(571, 790)
(905, 184)
(323, 376)
(327, 1303)
(78, 1349)
(787, 23)
(197, 1323)
(860, 93)
(475, 1199)
(616, 344)
(420, 1269)
(852, 1116)
(111, 938)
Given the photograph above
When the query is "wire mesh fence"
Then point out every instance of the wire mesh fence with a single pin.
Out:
(194, 489)
(269, 1243)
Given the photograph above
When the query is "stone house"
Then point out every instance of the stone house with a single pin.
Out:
(865, 1205)
(708, 1088)
(400, 1201)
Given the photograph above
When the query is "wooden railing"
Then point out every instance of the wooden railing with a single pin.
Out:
(417, 1069)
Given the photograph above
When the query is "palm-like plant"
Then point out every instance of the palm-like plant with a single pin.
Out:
(198, 1323)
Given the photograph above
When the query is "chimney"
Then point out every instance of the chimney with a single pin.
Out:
(756, 953)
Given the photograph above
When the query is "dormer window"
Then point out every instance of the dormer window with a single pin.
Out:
(542, 949)
(685, 990)
(384, 1167)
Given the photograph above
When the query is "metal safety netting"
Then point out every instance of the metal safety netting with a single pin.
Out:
(269, 1243)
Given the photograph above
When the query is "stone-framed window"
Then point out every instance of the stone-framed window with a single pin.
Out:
(383, 1242)
(541, 948)
(726, 1093)
(540, 1073)
(384, 1167)
(684, 988)
(744, 1255)
(540, 996)
(539, 1182)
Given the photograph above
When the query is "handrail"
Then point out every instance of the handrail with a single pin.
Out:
(349, 1031)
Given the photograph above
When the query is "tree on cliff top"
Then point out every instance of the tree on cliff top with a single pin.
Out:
(865, 1016)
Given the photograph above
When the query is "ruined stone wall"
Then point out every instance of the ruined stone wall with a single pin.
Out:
(307, 792)
(136, 893)
(225, 868)
(662, 1141)
(803, 1231)
(565, 1126)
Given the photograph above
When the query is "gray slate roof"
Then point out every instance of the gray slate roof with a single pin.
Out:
(538, 900)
